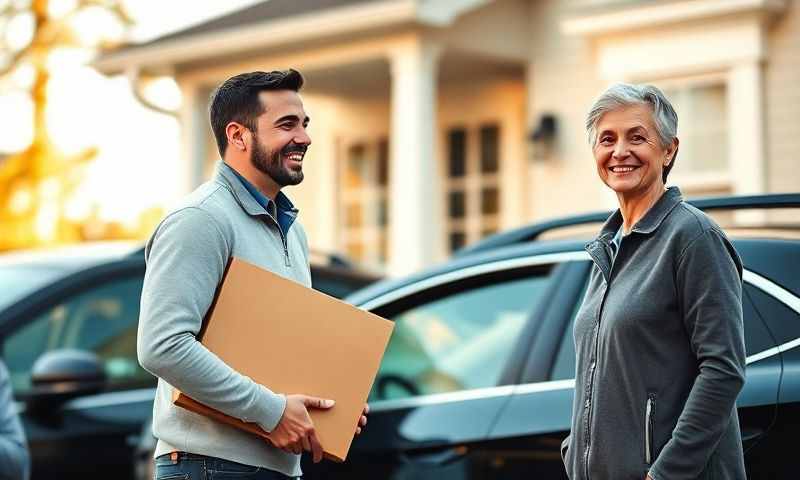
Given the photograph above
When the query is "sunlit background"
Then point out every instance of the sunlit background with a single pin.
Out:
(107, 168)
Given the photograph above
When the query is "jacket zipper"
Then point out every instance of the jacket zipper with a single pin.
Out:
(596, 349)
(648, 428)
(284, 241)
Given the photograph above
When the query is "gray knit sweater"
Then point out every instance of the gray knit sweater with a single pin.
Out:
(186, 258)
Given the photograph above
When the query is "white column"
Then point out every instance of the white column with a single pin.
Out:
(746, 133)
(415, 216)
(195, 130)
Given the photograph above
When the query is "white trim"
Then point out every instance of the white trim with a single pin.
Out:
(663, 13)
(544, 386)
(774, 290)
(111, 399)
(476, 394)
(296, 29)
(231, 41)
(473, 271)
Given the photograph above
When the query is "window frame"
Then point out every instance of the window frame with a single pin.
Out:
(695, 182)
(68, 287)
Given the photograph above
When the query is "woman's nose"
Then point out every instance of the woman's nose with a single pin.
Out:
(620, 149)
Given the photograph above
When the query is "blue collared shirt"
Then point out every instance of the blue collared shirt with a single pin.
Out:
(284, 211)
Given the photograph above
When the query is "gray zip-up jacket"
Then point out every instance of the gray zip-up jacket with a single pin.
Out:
(660, 352)
(186, 258)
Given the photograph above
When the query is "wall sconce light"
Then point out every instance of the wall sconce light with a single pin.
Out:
(545, 131)
(543, 136)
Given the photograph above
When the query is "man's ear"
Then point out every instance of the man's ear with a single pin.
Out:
(238, 136)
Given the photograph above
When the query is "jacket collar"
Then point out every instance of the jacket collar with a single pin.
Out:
(600, 248)
(651, 220)
(226, 175)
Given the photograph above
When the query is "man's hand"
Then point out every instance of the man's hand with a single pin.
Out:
(295, 432)
(362, 422)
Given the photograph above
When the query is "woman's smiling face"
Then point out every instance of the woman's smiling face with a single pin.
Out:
(628, 152)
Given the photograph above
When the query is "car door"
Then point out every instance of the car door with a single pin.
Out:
(95, 311)
(772, 454)
(539, 415)
(525, 440)
(445, 375)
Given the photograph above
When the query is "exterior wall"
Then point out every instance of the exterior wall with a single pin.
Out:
(782, 93)
(564, 73)
(563, 80)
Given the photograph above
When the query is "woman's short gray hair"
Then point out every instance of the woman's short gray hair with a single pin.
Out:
(623, 95)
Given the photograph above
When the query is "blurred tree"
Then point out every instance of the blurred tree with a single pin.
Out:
(36, 182)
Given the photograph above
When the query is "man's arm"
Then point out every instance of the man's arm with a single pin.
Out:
(186, 260)
(14, 458)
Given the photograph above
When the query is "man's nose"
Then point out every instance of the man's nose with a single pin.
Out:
(302, 138)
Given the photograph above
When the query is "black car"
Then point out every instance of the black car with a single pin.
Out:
(68, 324)
(478, 378)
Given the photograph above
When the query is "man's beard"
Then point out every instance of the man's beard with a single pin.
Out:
(271, 163)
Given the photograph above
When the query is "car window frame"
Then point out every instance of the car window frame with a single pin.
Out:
(65, 288)
(408, 296)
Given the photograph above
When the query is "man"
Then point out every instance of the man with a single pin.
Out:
(260, 127)
(14, 458)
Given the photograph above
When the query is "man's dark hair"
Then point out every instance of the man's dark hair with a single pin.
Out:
(236, 99)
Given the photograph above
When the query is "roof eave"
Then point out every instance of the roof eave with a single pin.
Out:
(314, 26)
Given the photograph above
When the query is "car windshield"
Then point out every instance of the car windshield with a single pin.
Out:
(16, 281)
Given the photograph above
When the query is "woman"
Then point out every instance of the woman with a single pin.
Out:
(659, 336)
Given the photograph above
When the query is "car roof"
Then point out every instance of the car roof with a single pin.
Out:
(530, 241)
(69, 258)
(482, 257)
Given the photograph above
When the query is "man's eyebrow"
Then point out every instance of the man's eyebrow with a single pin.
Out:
(292, 118)
(288, 118)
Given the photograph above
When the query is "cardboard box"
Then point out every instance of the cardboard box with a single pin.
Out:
(293, 339)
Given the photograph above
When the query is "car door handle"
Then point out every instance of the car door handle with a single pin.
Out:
(439, 457)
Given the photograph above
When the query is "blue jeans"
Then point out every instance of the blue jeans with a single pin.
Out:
(189, 466)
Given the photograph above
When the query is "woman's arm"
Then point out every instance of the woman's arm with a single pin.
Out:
(709, 288)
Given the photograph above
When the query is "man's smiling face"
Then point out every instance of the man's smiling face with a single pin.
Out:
(281, 140)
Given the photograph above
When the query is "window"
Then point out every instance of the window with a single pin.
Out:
(363, 201)
(102, 320)
(458, 341)
(782, 321)
(564, 364)
(703, 157)
(472, 185)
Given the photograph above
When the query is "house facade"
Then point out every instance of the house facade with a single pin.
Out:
(435, 123)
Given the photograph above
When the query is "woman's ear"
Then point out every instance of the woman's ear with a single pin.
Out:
(671, 151)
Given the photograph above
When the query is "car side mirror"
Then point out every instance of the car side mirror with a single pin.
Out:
(60, 375)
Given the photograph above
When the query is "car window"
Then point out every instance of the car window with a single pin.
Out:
(757, 339)
(457, 341)
(16, 281)
(101, 320)
(564, 364)
(782, 321)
